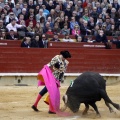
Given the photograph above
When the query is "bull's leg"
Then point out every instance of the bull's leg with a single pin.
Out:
(107, 104)
(107, 99)
(86, 109)
(96, 109)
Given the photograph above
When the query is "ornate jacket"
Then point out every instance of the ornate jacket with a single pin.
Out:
(59, 73)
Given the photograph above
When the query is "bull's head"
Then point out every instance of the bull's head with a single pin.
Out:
(70, 103)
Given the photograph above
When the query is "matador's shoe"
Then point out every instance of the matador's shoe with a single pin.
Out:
(34, 108)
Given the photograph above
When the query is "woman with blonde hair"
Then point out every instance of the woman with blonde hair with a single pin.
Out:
(38, 29)
(76, 30)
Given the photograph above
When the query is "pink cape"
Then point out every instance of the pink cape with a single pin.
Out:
(46, 77)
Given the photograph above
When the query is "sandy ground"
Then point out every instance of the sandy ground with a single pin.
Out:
(16, 102)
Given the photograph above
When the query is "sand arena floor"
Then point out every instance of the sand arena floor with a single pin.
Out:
(16, 101)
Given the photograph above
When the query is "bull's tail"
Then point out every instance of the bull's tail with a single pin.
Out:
(107, 99)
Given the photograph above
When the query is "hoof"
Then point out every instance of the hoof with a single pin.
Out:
(97, 116)
(84, 112)
(34, 108)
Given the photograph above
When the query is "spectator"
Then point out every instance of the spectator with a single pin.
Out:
(113, 14)
(67, 38)
(55, 38)
(24, 12)
(50, 6)
(99, 9)
(21, 18)
(31, 19)
(45, 11)
(9, 17)
(94, 14)
(91, 23)
(41, 2)
(57, 21)
(2, 26)
(112, 31)
(17, 10)
(39, 15)
(36, 43)
(57, 11)
(116, 41)
(31, 5)
(31, 12)
(7, 9)
(71, 6)
(26, 42)
(68, 12)
(79, 39)
(66, 21)
(101, 37)
(44, 41)
(60, 3)
(37, 8)
(13, 25)
(86, 16)
(49, 32)
(76, 30)
(30, 29)
(42, 22)
(105, 4)
(73, 22)
(109, 9)
(56, 29)
(74, 14)
(52, 12)
(89, 39)
(10, 3)
(47, 25)
(3, 35)
(115, 5)
(107, 23)
(22, 31)
(2, 4)
(49, 19)
(80, 8)
(65, 30)
(21, 3)
(85, 29)
(3, 17)
(38, 29)
(96, 30)
(12, 35)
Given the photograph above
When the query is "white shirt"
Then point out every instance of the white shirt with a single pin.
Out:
(11, 27)
(68, 40)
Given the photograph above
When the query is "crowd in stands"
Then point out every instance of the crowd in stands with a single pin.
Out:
(34, 20)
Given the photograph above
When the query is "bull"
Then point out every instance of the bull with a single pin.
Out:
(87, 88)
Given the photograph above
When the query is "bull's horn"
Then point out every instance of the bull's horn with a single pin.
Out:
(65, 99)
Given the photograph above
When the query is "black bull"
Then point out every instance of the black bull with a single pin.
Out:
(87, 88)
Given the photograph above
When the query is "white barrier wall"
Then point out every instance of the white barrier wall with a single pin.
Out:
(25, 79)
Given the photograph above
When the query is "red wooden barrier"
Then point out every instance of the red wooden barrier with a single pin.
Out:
(32, 60)
(10, 43)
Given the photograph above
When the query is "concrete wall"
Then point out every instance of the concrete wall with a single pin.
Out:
(32, 80)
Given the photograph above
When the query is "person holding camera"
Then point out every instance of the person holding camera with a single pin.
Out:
(59, 64)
